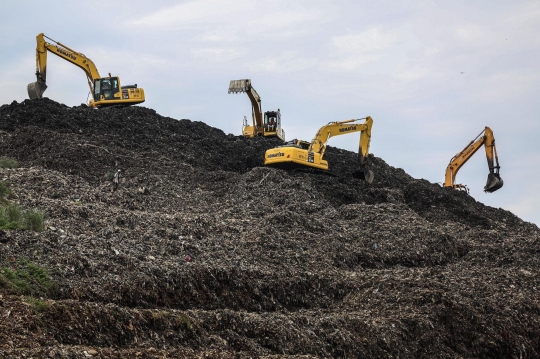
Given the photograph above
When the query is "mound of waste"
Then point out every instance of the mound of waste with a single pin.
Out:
(204, 252)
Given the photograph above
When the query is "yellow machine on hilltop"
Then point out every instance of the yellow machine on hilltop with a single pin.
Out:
(270, 125)
(106, 91)
(298, 154)
(494, 180)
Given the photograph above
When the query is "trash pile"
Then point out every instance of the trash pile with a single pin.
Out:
(201, 251)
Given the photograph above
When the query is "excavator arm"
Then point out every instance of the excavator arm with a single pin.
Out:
(486, 139)
(239, 86)
(36, 89)
(318, 144)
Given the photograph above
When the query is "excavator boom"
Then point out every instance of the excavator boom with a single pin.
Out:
(486, 139)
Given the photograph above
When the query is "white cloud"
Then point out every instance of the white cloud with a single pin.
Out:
(194, 12)
(349, 63)
(285, 62)
(470, 32)
(365, 42)
(236, 20)
(219, 54)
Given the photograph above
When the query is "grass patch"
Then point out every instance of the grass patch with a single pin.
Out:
(8, 162)
(34, 220)
(186, 321)
(28, 279)
(4, 190)
(162, 314)
(13, 217)
(39, 305)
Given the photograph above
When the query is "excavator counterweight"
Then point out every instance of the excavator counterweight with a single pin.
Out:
(486, 139)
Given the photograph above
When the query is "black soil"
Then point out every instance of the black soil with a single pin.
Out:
(204, 252)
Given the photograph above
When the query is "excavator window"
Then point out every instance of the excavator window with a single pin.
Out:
(115, 88)
(97, 90)
(270, 122)
(106, 87)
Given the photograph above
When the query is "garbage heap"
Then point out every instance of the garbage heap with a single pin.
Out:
(202, 251)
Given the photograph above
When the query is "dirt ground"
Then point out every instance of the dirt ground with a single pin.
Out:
(202, 252)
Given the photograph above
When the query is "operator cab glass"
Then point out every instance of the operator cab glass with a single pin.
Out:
(272, 121)
(297, 143)
(106, 87)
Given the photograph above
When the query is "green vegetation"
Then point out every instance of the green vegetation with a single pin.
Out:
(39, 305)
(186, 320)
(28, 279)
(13, 217)
(34, 220)
(4, 191)
(7, 162)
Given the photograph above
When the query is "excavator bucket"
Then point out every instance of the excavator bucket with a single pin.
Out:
(494, 182)
(36, 89)
(237, 86)
(366, 175)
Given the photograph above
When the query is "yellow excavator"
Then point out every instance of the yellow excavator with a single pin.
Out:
(301, 154)
(106, 91)
(494, 180)
(270, 126)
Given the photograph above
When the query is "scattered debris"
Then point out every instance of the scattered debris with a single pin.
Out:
(204, 252)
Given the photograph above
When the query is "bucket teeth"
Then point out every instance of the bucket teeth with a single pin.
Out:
(237, 86)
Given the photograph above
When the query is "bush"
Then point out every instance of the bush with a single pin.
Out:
(4, 190)
(7, 162)
(28, 279)
(34, 220)
(13, 213)
(12, 217)
(38, 304)
(7, 214)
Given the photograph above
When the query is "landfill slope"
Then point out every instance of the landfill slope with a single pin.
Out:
(204, 252)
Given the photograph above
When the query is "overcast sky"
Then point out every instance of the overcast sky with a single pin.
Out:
(432, 74)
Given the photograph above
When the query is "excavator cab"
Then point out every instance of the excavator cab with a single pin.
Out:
(272, 124)
(297, 143)
(106, 88)
(109, 92)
